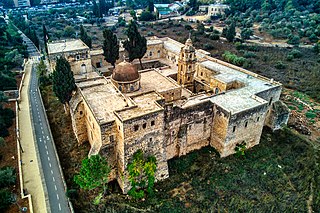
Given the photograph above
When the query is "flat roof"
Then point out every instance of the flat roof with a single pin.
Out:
(103, 98)
(66, 46)
(152, 80)
(145, 104)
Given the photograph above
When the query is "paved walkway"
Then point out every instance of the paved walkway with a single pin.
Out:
(30, 168)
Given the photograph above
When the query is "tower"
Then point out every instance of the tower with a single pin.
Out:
(186, 65)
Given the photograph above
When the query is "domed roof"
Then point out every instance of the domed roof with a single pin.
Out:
(125, 71)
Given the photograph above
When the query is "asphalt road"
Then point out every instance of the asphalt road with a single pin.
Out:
(50, 165)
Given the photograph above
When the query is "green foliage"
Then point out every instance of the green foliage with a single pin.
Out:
(135, 45)
(214, 36)
(141, 174)
(311, 115)
(2, 142)
(41, 68)
(293, 39)
(316, 47)
(69, 31)
(187, 27)
(7, 177)
(5, 199)
(133, 14)
(234, 59)
(15, 57)
(97, 199)
(72, 193)
(63, 80)
(121, 22)
(296, 53)
(280, 65)
(240, 149)
(229, 31)
(84, 37)
(6, 116)
(110, 47)
(249, 55)
(147, 16)
(94, 173)
(246, 33)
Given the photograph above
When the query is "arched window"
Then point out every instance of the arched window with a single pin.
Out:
(131, 88)
(217, 90)
(120, 88)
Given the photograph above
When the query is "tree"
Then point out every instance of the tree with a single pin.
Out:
(7, 177)
(63, 81)
(229, 31)
(150, 6)
(147, 16)
(135, 45)
(95, 9)
(5, 199)
(45, 37)
(133, 14)
(69, 31)
(94, 173)
(110, 47)
(293, 39)
(15, 57)
(246, 33)
(84, 37)
(141, 174)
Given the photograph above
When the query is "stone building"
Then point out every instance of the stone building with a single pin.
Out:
(75, 51)
(214, 9)
(184, 100)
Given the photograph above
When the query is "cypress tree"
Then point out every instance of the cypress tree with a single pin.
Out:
(63, 81)
(135, 45)
(84, 37)
(110, 47)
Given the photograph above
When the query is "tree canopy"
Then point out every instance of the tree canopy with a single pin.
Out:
(135, 45)
(63, 80)
(94, 173)
(110, 47)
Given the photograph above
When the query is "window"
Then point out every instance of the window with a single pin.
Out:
(201, 74)
(188, 78)
(152, 123)
(150, 54)
(150, 139)
(111, 137)
(120, 88)
(98, 65)
(131, 88)
(258, 118)
(81, 112)
(144, 125)
(119, 128)
(270, 102)
(78, 57)
(234, 129)
(136, 128)
(173, 132)
(246, 124)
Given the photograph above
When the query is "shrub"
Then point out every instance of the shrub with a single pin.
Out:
(7, 177)
(187, 27)
(290, 57)
(150, 33)
(234, 59)
(280, 65)
(72, 193)
(214, 37)
(249, 55)
(6, 199)
(208, 47)
(311, 115)
(296, 53)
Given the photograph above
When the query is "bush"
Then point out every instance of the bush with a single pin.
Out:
(280, 65)
(234, 59)
(187, 27)
(6, 199)
(150, 33)
(214, 37)
(249, 55)
(311, 115)
(296, 53)
(290, 57)
(208, 47)
(72, 193)
(7, 176)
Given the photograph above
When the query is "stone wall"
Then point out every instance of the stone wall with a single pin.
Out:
(245, 126)
(187, 129)
(145, 133)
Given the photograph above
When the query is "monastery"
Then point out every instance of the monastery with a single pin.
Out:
(181, 101)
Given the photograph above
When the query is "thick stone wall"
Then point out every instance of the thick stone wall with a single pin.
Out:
(220, 123)
(187, 129)
(245, 126)
(145, 133)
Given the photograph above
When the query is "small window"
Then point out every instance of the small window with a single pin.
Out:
(78, 57)
(119, 128)
(136, 128)
(201, 74)
(150, 139)
(81, 112)
(150, 54)
(120, 88)
(258, 118)
(188, 78)
(144, 125)
(152, 123)
(92, 125)
(111, 138)
(234, 129)
(246, 124)
(270, 102)
(173, 132)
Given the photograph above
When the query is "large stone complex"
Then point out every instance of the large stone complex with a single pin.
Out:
(185, 100)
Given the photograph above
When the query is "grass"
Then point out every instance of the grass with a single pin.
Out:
(275, 176)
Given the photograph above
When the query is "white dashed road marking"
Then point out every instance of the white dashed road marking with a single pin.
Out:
(50, 165)
(59, 207)
(55, 187)
(53, 179)
(57, 196)
(48, 158)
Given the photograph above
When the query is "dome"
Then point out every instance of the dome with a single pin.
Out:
(125, 72)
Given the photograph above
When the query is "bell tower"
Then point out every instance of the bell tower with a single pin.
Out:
(186, 65)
